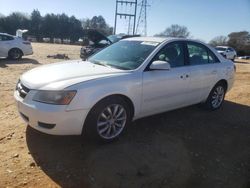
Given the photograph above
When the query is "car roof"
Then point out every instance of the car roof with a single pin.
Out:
(148, 39)
(222, 46)
(6, 34)
(161, 39)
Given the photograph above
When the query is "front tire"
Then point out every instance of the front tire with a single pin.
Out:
(107, 119)
(15, 54)
(216, 97)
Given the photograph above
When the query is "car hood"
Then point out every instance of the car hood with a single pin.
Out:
(94, 35)
(61, 75)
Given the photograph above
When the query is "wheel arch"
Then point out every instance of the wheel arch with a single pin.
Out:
(223, 82)
(14, 49)
(207, 103)
(124, 97)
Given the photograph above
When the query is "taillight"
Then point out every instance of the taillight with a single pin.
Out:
(26, 42)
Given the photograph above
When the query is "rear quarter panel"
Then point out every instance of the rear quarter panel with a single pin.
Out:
(225, 72)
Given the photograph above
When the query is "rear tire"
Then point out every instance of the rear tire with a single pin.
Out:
(216, 97)
(107, 120)
(15, 54)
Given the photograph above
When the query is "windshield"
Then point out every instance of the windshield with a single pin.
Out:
(220, 49)
(125, 55)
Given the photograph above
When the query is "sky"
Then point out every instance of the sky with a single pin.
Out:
(204, 19)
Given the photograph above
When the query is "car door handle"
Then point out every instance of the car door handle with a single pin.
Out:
(183, 77)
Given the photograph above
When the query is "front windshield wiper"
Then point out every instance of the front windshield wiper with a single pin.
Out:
(108, 65)
(98, 63)
(119, 67)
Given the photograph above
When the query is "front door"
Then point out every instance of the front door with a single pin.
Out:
(166, 89)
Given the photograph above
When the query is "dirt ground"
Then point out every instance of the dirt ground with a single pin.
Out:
(190, 147)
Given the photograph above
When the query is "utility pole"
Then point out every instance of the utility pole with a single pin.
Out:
(126, 9)
(141, 27)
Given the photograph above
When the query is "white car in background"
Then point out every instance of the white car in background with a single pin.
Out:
(14, 47)
(244, 57)
(130, 79)
(227, 52)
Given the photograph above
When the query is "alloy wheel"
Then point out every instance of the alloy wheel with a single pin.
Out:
(217, 96)
(15, 54)
(111, 121)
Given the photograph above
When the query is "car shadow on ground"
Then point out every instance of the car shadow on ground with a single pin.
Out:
(189, 147)
(5, 62)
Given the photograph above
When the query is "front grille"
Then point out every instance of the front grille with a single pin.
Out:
(22, 90)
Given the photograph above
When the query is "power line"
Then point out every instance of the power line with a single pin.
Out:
(129, 12)
(141, 27)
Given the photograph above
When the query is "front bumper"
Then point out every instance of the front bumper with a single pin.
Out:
(62, 122)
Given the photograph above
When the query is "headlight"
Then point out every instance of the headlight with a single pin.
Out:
(54, 97)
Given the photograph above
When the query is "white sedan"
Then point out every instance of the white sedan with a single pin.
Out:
(14, 47)
(130, 79)
(227, 52)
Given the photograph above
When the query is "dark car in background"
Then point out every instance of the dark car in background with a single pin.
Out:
(94, 41)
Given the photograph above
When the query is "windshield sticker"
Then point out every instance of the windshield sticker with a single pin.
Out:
(150, 43)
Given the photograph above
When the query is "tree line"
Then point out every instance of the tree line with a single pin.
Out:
(240, 41)
(64, 27)
(52, 25)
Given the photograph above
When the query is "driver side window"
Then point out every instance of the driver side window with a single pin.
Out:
(173, 53)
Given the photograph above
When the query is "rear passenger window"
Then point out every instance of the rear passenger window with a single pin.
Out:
(212, 58)
(199, 54)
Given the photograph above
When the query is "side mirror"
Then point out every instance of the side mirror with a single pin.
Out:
(160, 65)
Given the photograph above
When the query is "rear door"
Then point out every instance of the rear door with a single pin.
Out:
(204, 69)
(2, 47)
(5, 44)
